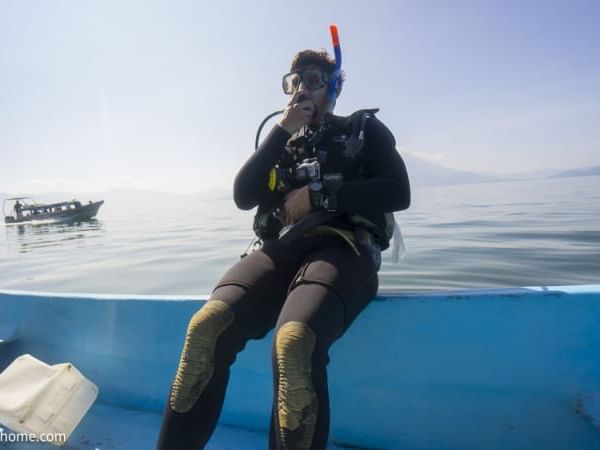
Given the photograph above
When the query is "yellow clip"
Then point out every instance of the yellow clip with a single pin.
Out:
(272, 184)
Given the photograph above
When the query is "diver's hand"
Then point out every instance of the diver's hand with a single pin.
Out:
(299, 112)
(296, 205)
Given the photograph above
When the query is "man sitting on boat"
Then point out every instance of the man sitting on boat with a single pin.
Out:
(344, 171)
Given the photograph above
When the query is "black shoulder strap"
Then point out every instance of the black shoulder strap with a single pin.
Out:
(357, 137)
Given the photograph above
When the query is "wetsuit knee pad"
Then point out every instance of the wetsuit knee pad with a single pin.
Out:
(297, 403)
(197, 362)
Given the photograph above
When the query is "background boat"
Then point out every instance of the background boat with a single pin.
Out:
(476, 369)
(72, 211)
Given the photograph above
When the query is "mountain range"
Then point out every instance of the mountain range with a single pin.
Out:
(421, 172)
(581, 172)
(427, 173)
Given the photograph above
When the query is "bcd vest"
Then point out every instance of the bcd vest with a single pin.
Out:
(337, 147)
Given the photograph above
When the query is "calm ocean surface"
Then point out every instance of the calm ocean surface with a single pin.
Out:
(516, 233)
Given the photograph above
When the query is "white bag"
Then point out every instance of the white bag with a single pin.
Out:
(41, 399)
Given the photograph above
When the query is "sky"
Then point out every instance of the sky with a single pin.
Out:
(167, 95)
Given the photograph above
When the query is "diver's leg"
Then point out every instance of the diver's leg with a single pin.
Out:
(243, 306)
(330, 291)
(213, 338)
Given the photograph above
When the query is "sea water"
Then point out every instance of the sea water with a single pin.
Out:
(502, 234)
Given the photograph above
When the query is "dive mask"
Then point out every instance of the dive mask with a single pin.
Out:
(313, 79)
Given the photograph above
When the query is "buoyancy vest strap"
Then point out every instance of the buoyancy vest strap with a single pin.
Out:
(346, 235)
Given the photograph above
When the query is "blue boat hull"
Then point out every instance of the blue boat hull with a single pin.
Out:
(490, 369)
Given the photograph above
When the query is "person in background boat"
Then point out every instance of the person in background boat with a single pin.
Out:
(18, 208)
(309, 290)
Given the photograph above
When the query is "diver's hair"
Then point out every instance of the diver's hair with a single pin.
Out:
(320, 58)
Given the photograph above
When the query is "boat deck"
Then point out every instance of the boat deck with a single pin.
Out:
(111, 428)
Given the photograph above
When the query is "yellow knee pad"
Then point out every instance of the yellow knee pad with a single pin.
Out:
(297, 403)
(197, 362)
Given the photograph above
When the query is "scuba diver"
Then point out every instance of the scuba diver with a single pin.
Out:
(325, 186)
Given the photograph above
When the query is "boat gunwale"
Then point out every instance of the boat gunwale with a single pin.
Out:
(383, 295)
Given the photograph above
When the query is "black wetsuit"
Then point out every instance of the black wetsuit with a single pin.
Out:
(309, 291)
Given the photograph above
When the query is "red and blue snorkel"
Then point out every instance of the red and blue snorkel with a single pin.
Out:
(336, 76)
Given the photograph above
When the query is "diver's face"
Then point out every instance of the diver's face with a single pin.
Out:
(311, 84)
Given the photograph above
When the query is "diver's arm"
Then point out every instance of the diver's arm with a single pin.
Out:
(387, 187)
(250, 183)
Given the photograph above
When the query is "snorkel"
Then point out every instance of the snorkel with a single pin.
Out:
(335, 80)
